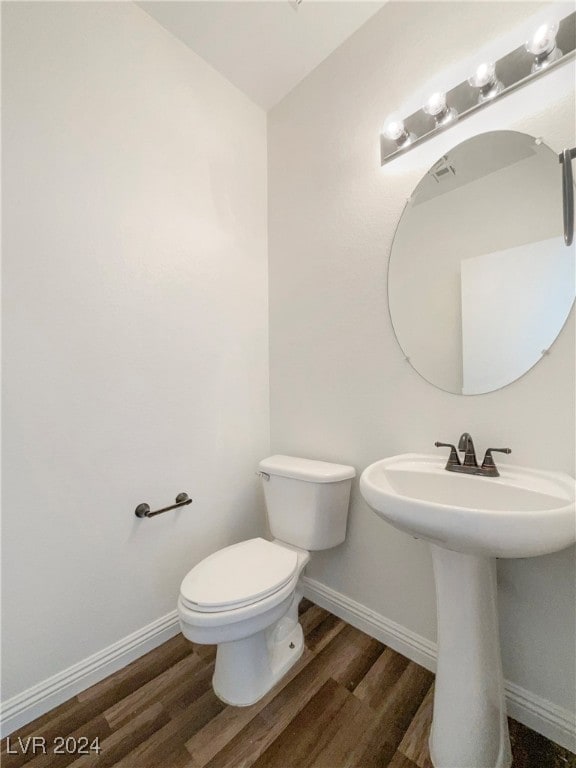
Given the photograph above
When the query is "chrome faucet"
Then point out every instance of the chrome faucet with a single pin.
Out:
(470, 464)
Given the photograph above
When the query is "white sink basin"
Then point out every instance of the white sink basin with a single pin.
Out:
(469, 521)
(522, 513)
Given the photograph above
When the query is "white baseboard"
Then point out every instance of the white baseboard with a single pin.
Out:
(544, 717)
(30, 704)
(404, 641)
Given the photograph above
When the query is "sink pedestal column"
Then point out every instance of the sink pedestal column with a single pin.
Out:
(469, 728)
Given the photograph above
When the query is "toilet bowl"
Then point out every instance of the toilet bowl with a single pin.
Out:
(244, 598)
(250, 610)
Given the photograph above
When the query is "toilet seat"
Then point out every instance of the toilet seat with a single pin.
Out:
(239, 576)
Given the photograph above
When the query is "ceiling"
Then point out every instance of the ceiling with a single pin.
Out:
(266, 47)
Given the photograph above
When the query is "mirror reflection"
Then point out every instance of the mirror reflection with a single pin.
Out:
(480, 282)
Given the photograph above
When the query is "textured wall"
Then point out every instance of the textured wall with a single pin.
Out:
(135, 333)
(340, 388)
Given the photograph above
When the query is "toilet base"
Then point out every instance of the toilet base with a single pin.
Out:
(247, 669)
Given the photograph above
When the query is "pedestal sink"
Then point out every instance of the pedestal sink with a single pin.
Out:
(469, 521)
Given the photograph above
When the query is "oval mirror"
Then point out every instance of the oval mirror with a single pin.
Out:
(480, 282)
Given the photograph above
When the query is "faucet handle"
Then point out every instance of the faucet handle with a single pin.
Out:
(488, 466)
(453, 459)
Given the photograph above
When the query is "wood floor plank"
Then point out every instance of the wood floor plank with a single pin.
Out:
(396, 710)
(364, 652)
(75, 725)
(60, 721)
(309, 732)
(381, 677)
(414, 744)
(319, 637)
(37, 726)
(95, 728)
(372, 751)
(401, 761)
(361, 742)
(206, 652)
(311, 618)
(180, 758)
(157, 750)
(125, 739)
(63, 721)
(344, 743)
(246, 748)
(357, 652)
(303, 605)
(180, 696)
(122, 711)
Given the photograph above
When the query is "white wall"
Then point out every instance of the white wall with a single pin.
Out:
(340, 388)
(135, 337)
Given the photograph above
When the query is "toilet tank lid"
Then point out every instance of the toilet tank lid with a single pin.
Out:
(309, 470)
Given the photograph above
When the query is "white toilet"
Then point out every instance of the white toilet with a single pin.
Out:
(244, 597)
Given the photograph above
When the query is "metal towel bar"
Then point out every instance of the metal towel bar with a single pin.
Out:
(143, 510)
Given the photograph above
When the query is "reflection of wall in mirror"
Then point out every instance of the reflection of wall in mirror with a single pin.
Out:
(488, 214)
(513, 303)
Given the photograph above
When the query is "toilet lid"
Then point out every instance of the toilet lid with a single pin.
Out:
(239, 575)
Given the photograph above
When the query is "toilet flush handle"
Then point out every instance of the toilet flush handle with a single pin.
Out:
(263, 475)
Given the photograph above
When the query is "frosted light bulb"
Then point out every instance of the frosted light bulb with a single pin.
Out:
(485, 79)
(436, 104)
(485, 74)
(437, 108)
(543, 40)
(542, 45)
(394, 129)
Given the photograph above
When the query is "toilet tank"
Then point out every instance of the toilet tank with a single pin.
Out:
(307, 501)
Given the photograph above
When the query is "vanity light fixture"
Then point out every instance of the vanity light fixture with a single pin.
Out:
(486, 80)
(542, 45)
(550, 45)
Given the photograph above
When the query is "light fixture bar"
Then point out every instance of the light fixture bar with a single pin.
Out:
(549, 46)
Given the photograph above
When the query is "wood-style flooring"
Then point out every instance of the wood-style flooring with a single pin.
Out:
(350, 702)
